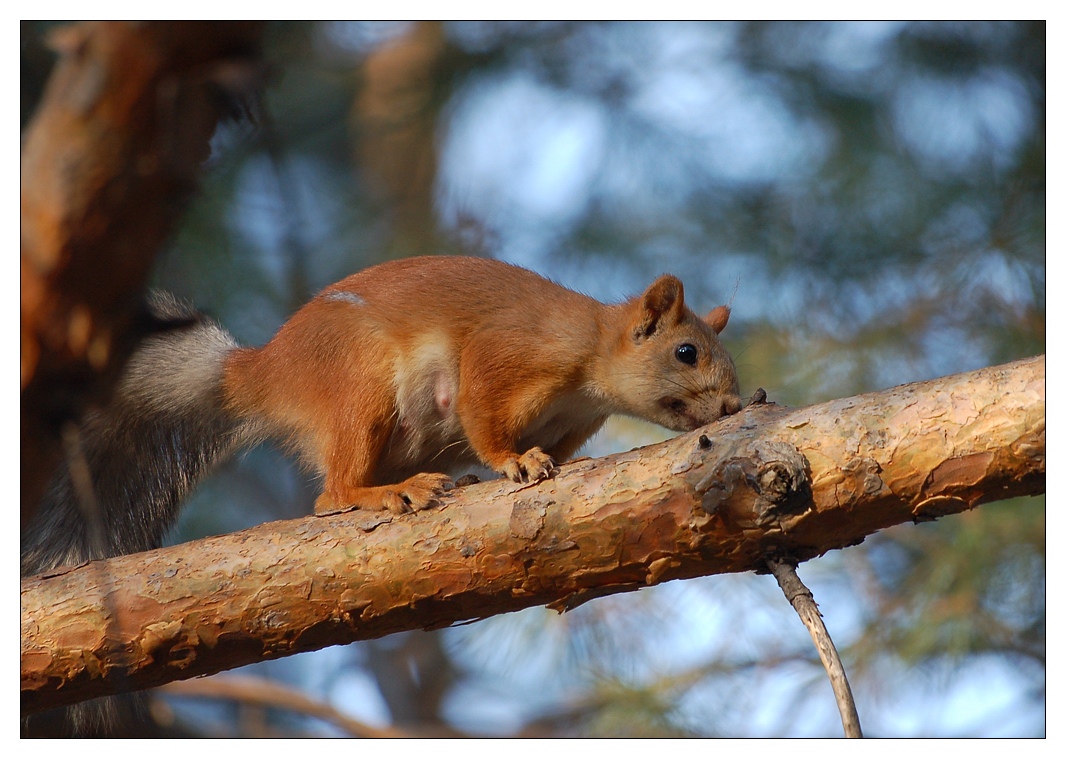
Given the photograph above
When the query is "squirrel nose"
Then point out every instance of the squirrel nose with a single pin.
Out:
(731, 405)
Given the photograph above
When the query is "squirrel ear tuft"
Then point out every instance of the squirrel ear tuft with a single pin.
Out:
(717, 318)
(664, 298)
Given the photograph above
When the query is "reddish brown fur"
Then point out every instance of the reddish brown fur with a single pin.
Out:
(429, 364)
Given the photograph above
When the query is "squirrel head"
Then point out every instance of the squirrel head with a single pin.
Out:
(669, 366)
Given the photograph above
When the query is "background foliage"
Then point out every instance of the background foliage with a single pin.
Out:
(870, 198)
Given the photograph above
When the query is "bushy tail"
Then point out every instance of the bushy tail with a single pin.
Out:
(133, 463)
(163, 429)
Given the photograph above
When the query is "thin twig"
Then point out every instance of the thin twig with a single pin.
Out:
(802, 600)
(81, 482)
(263, 692)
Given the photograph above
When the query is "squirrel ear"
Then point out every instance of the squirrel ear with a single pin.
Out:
(717, 318)
(663, 298)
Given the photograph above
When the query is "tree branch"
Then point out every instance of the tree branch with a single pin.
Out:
(767, 482)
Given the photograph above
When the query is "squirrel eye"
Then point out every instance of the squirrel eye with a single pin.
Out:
(686, 354)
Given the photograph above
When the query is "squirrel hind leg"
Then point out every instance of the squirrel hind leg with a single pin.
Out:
(422, 491)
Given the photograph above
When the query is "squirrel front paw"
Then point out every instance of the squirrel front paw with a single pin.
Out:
(532, 466)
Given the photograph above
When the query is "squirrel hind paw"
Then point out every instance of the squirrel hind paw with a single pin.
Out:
(422, 491)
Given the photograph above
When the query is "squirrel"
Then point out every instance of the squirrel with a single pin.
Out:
(382, 383)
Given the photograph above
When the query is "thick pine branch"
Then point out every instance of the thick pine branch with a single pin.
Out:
(766, 483)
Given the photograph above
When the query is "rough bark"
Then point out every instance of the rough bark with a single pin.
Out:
(766, 483)
(108, 162)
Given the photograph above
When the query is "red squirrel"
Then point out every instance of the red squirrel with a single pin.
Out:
(424, 365)
(382, 383)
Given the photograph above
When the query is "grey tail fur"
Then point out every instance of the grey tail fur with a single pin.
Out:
(133, 462)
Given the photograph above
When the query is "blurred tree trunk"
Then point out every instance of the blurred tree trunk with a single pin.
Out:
(769, 482)
(108, 163)
(405, 84)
